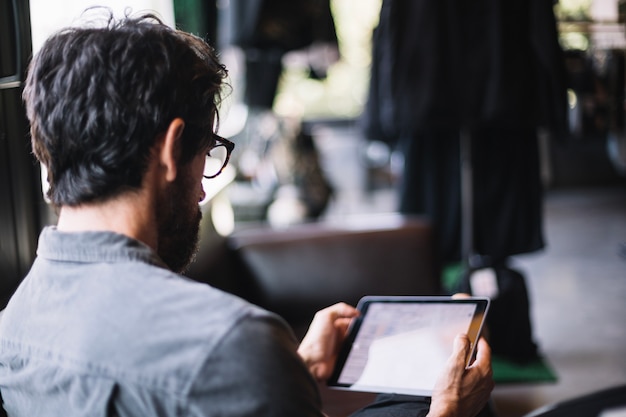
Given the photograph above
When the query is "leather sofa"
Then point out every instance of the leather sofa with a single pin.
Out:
(297, 270)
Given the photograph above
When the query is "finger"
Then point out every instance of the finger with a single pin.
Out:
(460, 350)
(342, 310)
(460, 295)
(461, 343)
(326, 319)
(343, 323)
(483, 354)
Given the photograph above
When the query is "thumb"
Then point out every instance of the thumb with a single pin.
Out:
(461, 349)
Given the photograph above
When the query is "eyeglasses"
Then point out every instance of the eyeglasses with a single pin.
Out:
(217, 157)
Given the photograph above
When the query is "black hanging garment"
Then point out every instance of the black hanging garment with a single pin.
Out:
(494, 70)
(492, 67)
(266, 30)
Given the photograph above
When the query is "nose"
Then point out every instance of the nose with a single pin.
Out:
(202, 193)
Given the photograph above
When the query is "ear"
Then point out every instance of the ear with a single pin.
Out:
(169, 152)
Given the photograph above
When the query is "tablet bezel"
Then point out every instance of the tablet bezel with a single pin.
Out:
(476, 326)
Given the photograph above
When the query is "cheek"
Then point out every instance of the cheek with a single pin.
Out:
(197, 165)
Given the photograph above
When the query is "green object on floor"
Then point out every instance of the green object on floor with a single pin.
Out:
(505, 371)
(450, 277)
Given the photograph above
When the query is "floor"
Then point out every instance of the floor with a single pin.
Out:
(577, 285)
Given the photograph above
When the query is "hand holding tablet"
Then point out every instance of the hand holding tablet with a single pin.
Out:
(401, 344)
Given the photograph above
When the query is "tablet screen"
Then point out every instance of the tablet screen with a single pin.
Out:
(401, 344)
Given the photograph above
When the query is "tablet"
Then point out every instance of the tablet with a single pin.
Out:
(401, 344)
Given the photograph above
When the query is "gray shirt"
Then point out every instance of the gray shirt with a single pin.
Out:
(100, 327)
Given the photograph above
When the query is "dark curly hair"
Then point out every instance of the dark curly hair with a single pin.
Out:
(98, 98)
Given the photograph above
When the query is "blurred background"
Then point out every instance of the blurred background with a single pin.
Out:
(305, 80)
(299, 75)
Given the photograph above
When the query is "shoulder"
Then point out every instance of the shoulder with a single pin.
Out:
(251, 365)
(196, 312)
(257, 363)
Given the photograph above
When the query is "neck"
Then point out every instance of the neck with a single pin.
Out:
(128, 215)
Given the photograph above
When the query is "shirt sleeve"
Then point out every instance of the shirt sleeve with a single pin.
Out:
(256, 371)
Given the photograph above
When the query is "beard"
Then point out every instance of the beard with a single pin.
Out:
(178, 222)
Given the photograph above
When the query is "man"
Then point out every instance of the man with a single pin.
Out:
(122, 117)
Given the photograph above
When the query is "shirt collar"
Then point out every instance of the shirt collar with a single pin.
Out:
(93, 246)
